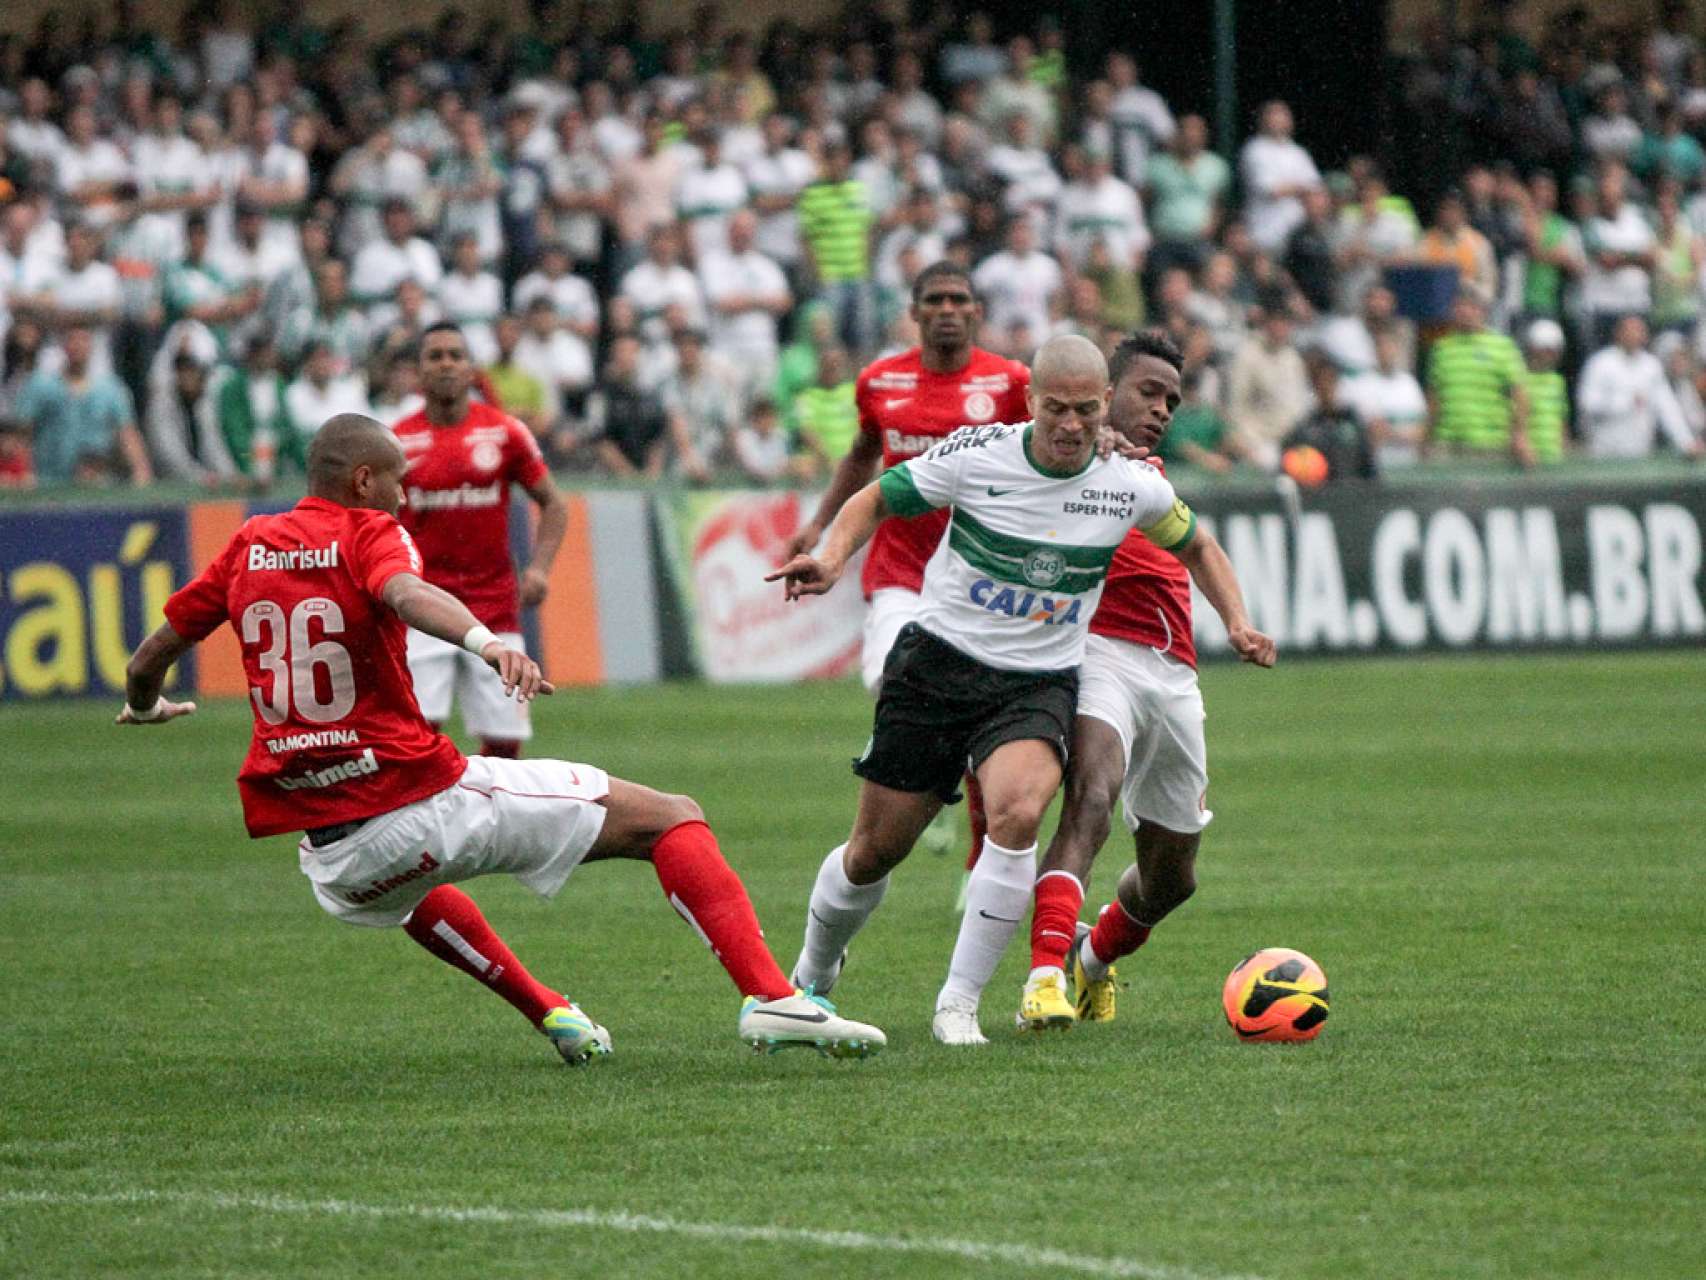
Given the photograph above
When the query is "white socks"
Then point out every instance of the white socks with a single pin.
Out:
(1094, 969)
(837, 911)
(998, 896)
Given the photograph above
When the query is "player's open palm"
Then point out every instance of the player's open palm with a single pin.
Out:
(163, 711)
(520, 674)
(805, 575)
(1252, 646)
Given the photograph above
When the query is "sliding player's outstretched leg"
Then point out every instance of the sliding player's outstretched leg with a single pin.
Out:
(670, 832)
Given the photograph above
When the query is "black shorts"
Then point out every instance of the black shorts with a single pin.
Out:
(942, 712)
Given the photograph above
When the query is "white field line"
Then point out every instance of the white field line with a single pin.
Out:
(1013, 1255)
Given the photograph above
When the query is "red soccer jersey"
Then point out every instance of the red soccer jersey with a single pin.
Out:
(1147, 599)
(910, 409)
(458, 504)
(338, 736)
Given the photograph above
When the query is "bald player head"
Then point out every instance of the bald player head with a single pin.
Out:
(355, 461)
(1068, 399)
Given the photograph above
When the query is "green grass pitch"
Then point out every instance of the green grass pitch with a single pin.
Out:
(1498, 861)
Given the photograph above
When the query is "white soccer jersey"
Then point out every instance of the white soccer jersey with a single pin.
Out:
(1017, 577)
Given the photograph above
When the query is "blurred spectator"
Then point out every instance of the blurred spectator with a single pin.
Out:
(1554, 256)
(1625, 399)
(1331, 428)
(1682, 371)
(83, 292)
(1018, 286)
(1215, 306)
(1029, 181)
(1267, 387)
(397, 395)
(1548, 397)
(471, 297)
(1389, 402)
(1477, 401)
(1197, 435)
(382, 265)
(559, 358)
(776, 177)
(1014, 91)
(1532, 125)
(1670, 151)
(626, 425)
(660, 282)
(975, 56)
(198, 290)
(89, 170)
(1349, 339)
(702, 399)
(1275, 172)
(761, 448)
(644, 188)
(1117, 286)
(1140, 118)
(1187, 187)
(707, 195)
(318, 392)
(1680, 259)
(369, 176)
(253, 418)
(835, 226)
(914, 109)
(1372, 233)
(1611, 133)
(1309, 259)
(1094, 206)
(827, 411)
(523, 386)
(1452, 242)
(572, 300)
(467, 183)
(83, 422)
(182, 425)
(1621, 252)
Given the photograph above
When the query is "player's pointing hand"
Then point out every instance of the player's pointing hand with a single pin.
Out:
(162, 712)
(1252, 646)
(805, 576)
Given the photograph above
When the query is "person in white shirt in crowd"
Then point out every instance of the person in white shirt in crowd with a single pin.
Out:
(660, 281)
(25, 266)
(181, 425)
(1621, 253)
(468, 183)
(922, 234)
(173, 177)
(878, 168)
(415, 125)
(1140, 118)
(761, 448)
(1267, 385)
(1095, 205)
(1214, 304)
(1349, 338)
(1015, 90)
(384, 264)
(914, 109)
(775, 180)
(318, 393)
(747, 295)
(276, 182)
(1276, 172)
(32, 132)
(679, 80)
(707, 195)
(1033, 185)
(365, 178)
(560, 358)
(1017, 285)
(84, 291)
(578, 184)
(1682, 371)
(703, 401)
(227, 48)
(573, 299)
(471, 297)
(1611, 133)
(1624, 399)
(1390, 404)
(1368, 237)
(617, 137)
(399, 394)
(731, 111)
(251, 261)
(90, 170)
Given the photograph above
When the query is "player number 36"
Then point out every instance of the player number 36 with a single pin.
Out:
(294, 682)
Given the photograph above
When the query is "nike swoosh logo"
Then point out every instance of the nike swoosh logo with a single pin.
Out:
(999, 493)
(1003, 919)
(895, 404)
(797, 1017)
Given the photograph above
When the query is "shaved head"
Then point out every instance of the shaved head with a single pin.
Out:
(1069, 358)
(345, 456)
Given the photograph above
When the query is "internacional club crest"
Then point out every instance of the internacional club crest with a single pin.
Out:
(979, 407)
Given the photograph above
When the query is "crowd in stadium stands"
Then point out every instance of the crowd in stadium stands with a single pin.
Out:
(671, 257)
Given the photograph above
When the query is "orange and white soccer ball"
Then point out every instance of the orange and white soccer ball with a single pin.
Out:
(1276, 994)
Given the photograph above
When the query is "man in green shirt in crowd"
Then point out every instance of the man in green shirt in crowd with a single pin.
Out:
(1476, 387)
(1554, 249)
(835, 228)
(1548, 396)
(828, 413)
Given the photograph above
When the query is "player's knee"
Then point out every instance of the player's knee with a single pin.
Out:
(675, 810)
(1015, 817)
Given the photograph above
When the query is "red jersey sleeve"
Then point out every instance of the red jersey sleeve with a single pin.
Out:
(526, 464)
(199, 608)
(380, 549)
(867, 406)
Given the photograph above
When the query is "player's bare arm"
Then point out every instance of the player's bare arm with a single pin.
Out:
(146, 675)
(808, 575)
(438, 613)
(1211, 569)
(547, 540)
(852, 474)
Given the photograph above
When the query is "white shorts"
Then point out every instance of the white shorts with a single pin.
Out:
(443, 671)
(1153, 703)
(888, 610)
(532, 819)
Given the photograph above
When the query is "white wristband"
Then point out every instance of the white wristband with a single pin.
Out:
(478, 637)
(153, 713)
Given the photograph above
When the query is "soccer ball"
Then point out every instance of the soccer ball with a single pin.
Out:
(1276, 994)
(1305, 464)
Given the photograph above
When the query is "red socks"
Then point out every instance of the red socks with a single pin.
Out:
(1116, 934)
(1054, 920)
(979, 823)
(448, 924)
(702, 886)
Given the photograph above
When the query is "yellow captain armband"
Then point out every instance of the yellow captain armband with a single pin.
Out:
(1173, 530)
